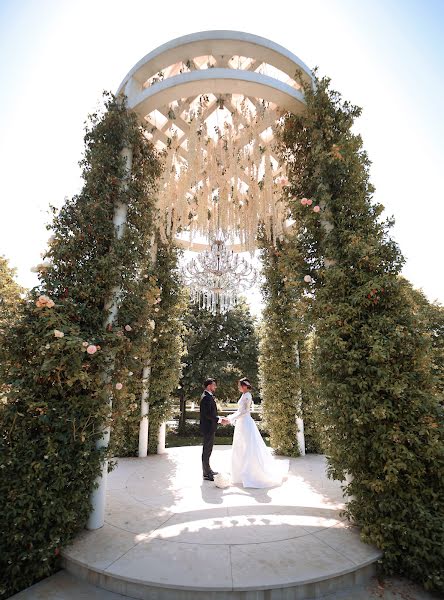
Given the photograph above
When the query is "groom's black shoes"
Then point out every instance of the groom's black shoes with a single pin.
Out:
(213, 473)
(208, 477)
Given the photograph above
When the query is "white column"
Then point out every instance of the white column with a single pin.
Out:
(144, 408)
(144, 399)
(98, 496)
(161, 439)
(300, 435)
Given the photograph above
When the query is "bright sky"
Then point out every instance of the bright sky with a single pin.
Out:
(56, 57)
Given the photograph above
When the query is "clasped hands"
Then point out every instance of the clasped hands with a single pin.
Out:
(224, 421)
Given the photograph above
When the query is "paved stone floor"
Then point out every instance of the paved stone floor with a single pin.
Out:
(165, 526)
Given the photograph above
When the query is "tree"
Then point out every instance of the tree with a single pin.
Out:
(223, 346)
(11, 303)
(10, 293)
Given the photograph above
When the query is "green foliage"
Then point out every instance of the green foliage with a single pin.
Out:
(48, 455)
(310, 406)
(432, 318)
(10, 308)
(10, 294)
(381, 417)
(62, 365)
(193, 430)
(163, 306)
(282, 333)
(167, 348)
(223, 346)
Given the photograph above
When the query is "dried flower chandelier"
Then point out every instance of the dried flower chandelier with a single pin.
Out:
(222, 177)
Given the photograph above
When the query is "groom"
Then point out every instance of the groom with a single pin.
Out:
(208, 426)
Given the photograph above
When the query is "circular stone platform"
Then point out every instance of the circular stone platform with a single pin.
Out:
(170, 535)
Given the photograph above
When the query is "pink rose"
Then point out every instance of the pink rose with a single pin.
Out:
(58, 334)
(43, 301)
(304, 201)
(119, 386)
(316, 209)
(309, 202)
(91, 349)
(128, 328)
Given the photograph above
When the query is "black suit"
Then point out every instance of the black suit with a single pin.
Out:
(208, 426)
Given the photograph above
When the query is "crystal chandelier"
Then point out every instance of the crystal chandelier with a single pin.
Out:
(216, 277)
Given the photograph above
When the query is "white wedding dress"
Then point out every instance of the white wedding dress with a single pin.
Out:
(252, 463)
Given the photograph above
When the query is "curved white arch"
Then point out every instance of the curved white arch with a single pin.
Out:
(216, 81)
(216, 43)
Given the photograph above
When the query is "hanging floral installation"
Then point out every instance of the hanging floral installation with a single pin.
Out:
(222, 178)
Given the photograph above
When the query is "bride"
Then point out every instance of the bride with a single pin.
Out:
(252, 462)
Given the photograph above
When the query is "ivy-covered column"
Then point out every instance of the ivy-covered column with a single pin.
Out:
(282, 329)
(57, 408)
(380, 414)
(146, 373)
(98, 495)
(167, 347)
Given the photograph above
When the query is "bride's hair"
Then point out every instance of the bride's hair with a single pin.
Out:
(246, 382)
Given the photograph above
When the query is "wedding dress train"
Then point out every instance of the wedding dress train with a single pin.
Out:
(252, 463)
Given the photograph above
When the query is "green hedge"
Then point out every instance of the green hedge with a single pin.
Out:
(193, 430)
(196, 415)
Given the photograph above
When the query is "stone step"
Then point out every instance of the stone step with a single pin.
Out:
(64, 586)
(140, 589)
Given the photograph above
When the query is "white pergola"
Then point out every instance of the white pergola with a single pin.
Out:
(230, 69)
